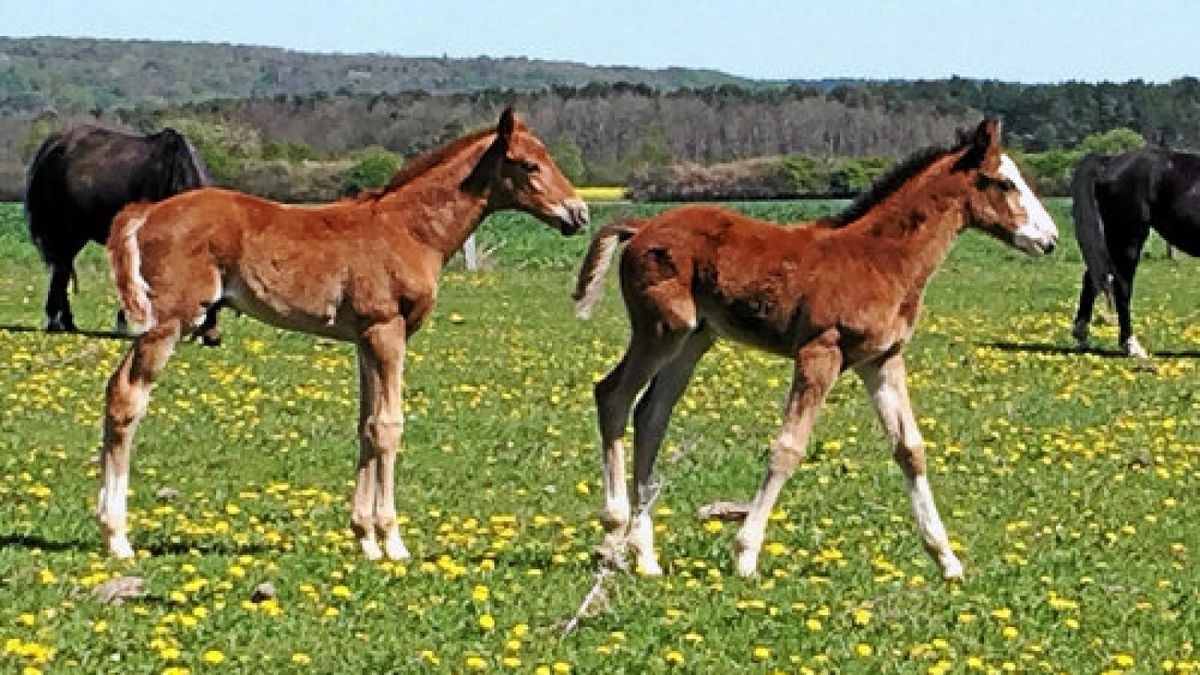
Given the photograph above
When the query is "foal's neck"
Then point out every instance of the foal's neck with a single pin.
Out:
(436, 211)
(923, 220)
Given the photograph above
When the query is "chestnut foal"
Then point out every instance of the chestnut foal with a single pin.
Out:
(364, 271)
(840, 293)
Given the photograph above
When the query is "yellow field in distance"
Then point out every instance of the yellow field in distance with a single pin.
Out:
(601, 194)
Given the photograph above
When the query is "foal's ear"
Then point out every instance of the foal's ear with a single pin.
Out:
(505, 127)
(979, 143)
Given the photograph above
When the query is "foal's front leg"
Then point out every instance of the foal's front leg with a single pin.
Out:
(817, 366)
(381, 422)
(885, 384)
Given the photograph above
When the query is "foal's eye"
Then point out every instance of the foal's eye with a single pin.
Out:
(530, 167)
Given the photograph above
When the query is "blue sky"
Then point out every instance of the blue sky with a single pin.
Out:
(1019, 40)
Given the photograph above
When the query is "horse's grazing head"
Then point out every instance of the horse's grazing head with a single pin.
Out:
(518, 172)
(1001, 202)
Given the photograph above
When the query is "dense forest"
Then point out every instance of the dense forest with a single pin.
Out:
(308, 126)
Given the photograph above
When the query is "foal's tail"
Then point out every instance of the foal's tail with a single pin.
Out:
(125, 260)
(595, 264)
(1089, 225)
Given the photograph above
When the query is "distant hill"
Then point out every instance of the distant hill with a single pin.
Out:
(79, 74)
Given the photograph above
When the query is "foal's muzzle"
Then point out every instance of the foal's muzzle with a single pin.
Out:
(572, 216)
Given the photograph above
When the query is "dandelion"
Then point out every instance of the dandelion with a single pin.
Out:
(301, 659)
(213, 656)
(475, 662)
(761, 653)
(487, 621)
(673, 657)
(862, 617)
(1123, 660)
(863, 650)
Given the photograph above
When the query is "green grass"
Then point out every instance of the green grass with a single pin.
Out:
(1068, 481)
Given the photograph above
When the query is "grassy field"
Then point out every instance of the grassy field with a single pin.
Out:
(1070, 483)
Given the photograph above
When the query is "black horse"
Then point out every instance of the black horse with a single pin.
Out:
(1117, 199)
(81, 178)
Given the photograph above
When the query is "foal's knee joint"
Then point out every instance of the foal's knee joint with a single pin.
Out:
(911, 457)
(785, 456)
(382, 433)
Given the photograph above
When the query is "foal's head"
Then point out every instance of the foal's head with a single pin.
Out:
(1000, 201)
(517, 172)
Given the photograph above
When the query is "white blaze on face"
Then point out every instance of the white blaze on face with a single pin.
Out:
(1039, 233)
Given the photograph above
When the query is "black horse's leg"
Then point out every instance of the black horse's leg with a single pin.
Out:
(1126, 261)
(208, 331)
(1083, 315)
(58, 305)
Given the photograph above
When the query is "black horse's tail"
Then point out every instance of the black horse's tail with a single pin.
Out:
(1089, 225)
(33, 179)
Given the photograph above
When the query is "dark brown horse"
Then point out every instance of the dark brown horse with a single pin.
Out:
(81, 178)
(364, 271)
(837, 294)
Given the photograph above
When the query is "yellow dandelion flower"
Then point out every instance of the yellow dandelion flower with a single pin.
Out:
(863, 650)
(862, 617)
(761, 653)
(487, 621)
(475, 662)
(673, 657)
(301, 659)
(213, 656)
(1123, 660)
(480, 593)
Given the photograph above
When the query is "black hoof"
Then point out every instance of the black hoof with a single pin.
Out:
(209, 341)
(59, 325)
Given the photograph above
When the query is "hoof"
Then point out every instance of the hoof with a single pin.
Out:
(1135, 349)
(370, 549)
(58, 325)
(746, 563)
(207, 341)
(395, 549)
(119, 548)
(952, 571)
(648, 568)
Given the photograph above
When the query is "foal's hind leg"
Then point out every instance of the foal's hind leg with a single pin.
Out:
(381, 422)
(817, 366)
(128, 395)
(649, 348)
(650, 419)
(889, 393)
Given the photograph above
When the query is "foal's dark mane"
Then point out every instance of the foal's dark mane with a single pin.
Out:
(887, 184)
(423, 163)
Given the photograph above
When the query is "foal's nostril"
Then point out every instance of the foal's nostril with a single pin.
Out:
(1049, 247)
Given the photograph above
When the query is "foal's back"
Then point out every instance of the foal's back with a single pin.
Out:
(768, 285)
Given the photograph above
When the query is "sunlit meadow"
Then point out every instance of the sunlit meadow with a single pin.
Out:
(1070, 484)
